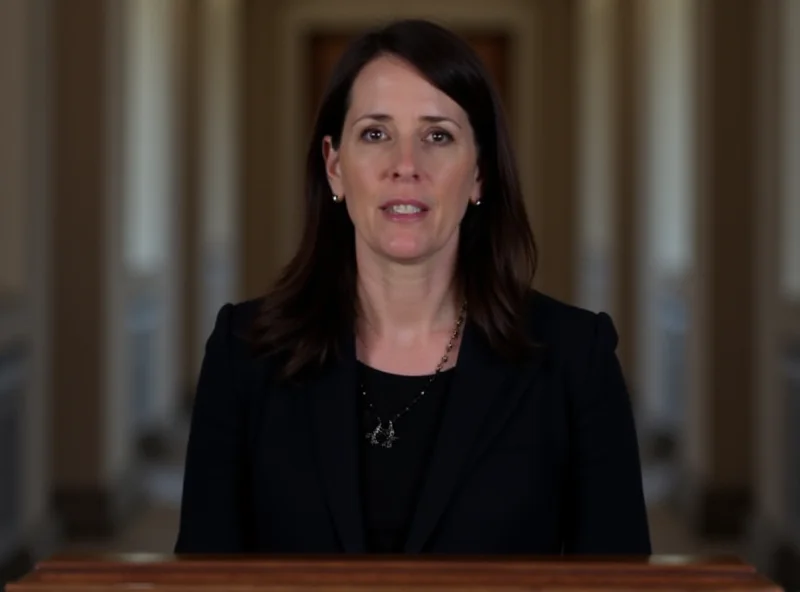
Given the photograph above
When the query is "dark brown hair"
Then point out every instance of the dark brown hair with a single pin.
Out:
(313, 305)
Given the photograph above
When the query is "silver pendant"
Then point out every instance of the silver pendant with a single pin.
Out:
(382, 436)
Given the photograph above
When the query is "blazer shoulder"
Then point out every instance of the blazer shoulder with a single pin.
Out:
(569, 329)
(234, 327)
(244, 315)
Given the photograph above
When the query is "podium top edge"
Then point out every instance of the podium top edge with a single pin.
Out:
(259, 562)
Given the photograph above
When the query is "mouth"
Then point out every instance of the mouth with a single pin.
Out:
(404, 210)
(404, 207)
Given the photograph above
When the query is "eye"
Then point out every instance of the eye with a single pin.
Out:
(440, 137)
(373, 134)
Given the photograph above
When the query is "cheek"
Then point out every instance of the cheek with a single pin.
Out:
(359, 173)
(456, 184)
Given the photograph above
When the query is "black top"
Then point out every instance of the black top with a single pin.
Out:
(534, 456)
(392, 477)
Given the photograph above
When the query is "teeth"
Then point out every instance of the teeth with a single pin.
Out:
(405, 209)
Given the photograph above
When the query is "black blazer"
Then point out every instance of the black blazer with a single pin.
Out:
(532, 458)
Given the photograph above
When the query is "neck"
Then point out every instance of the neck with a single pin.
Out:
(406, 303)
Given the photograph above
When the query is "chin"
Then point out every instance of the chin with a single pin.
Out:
(405, 251)
(406, 257)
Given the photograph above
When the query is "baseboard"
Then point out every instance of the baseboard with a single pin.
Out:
(98, 513)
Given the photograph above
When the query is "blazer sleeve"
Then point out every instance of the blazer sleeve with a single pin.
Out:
(213, 505)
(606, 511)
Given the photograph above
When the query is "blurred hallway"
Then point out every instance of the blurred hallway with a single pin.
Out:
(151, 167)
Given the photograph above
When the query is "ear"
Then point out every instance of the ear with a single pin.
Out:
(477, 188)
(332, 166)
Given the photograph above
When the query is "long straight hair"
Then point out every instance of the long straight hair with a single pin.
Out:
(313, 305)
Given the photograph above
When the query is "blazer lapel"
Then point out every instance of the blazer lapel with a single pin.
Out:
(483, 393)
(334, 404)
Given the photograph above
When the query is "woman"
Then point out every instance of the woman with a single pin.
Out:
(406, 390)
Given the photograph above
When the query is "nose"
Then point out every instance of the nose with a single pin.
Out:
(406, 160)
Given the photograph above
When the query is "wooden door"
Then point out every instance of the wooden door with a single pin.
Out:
(326, 48)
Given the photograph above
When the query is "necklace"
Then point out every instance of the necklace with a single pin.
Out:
(384, 435)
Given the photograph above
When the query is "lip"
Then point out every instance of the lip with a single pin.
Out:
(404, 202)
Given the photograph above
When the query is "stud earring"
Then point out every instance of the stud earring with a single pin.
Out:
(336, 198)
(478, 201)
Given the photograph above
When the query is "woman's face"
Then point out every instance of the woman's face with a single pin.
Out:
(406, 165)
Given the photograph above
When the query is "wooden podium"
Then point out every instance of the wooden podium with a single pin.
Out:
(425, 573)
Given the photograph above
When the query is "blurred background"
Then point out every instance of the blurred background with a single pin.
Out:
(151, 165)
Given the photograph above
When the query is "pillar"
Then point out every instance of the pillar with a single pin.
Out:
(774, 545)
(627, 164)
(93, 478)
(26, 527)
(719, 451)
(192, 340)
(555, 151)
(266, 245)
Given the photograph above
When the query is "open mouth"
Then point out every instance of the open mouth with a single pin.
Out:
(404, 209)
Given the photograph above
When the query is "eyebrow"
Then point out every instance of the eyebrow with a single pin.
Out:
(426, 118)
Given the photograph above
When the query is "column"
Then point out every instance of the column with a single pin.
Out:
(192, 340)
(660, 198)
(627, 163)
(774, 542)
(555, 151)
(151, 66)
(718, 456)
(93, 460)
(596, 146)
(221, 127)
(609, 167)
(26, 528)
(265, 245)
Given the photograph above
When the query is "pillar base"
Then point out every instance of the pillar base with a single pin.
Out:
(17, 564)
(715, 512)
(34, 547)
(98, 513)
(773, 553)
(785, 569)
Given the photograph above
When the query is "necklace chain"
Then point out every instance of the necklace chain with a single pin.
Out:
(384, 436)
